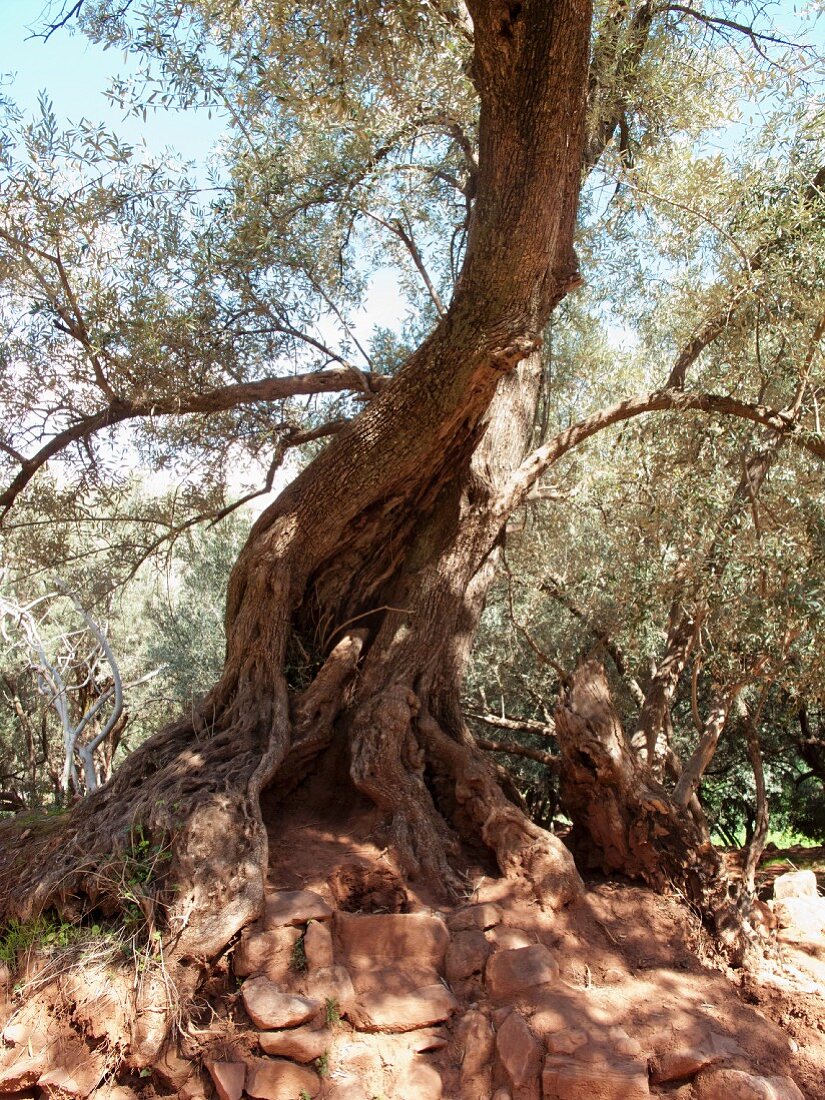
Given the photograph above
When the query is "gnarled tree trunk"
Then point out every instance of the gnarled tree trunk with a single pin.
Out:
(353, 604)
(624, 820)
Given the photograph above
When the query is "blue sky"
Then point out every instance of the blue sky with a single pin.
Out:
(75, 74)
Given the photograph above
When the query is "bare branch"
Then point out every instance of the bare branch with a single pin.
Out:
(515, 749)
(526, 725)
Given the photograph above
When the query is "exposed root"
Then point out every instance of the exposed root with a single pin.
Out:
(388, 767)
(524, 851)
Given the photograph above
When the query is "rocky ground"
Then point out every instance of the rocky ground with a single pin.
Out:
(356, 986)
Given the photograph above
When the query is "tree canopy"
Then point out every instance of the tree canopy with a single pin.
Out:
(607, 232)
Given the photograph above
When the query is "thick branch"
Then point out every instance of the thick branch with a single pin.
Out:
(218, 400)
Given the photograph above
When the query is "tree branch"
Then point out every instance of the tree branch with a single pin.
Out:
(213, 401)
(515, 749)
(540, 460)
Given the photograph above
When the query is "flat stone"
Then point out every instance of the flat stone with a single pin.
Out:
(478, 917)
(278, 1080)
(466, 955)
(510, 973)
(228, 1078)
(292, 907)
(473, 1042)
(801, 916)
(301, 1044)
(795, 884)
(380, 939)
(332, 987)
(518, 1052)
(676, 1064)
(22, 1073)
(409, 1011)
(60, 1082)
(731, 1084)
(597, 1081)
(270, 1009)
(318, 946)
(269, 953)
(424, 1082)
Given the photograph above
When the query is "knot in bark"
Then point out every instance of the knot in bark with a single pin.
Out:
(508, 358)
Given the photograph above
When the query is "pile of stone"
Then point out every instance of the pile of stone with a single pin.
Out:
(423, 1007)
(417, 1006)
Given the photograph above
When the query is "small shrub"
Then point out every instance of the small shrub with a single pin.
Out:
(322, 1064)
(298, 961)
(332, 1012)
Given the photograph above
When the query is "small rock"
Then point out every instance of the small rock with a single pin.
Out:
(318, 946)
(292, 907)
(172, 1069)
(677, 1064)
(228, 1078)
(194, 1089)
(331, 985)
(22, 1073)
(428, 1039)
(424, 1082)
(801, 916)
(116, 1092)
(628, 1047)
(478, 917)
(60, 1083)
(270, 1009)
(795, 884)
(510, 973)
(19, 1034)
(269, 953)
(785, 1089)
(510, 939)
(466, 955)
(75, 1070)
(348, 1089)
(501, 1094)
(279, 1080)
(301, 1044)
(613, 976)
(567, 1041)
(473, 1041)
(518, 1052)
